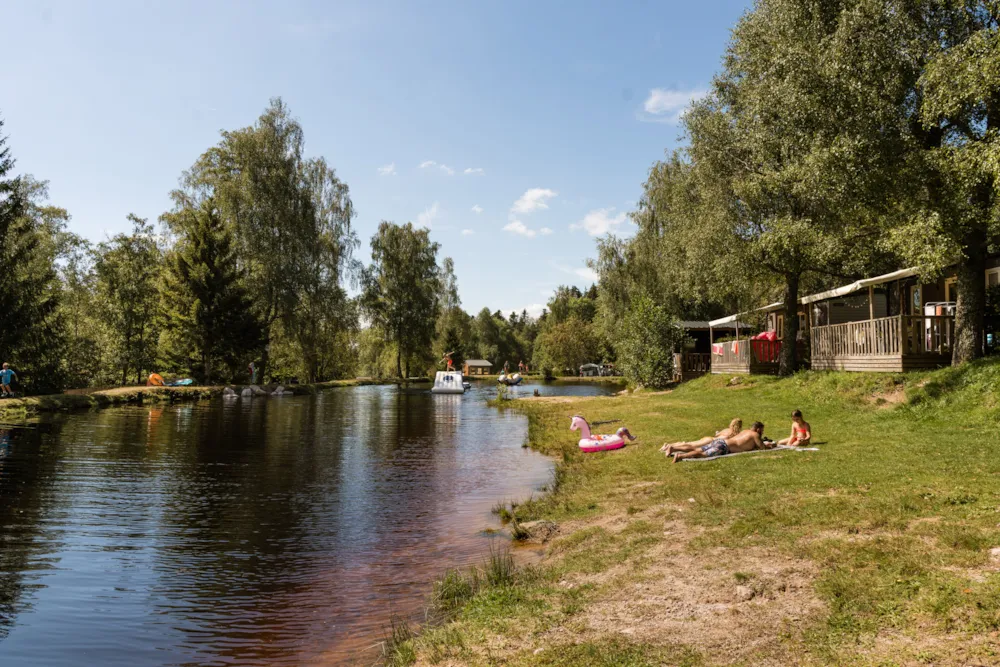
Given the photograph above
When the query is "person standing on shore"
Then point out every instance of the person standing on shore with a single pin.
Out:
(252, 368)
(6, 376)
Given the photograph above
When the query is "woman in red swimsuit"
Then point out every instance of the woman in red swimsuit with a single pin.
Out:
(801, 431)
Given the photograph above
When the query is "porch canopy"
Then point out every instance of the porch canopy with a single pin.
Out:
(858, 285)
(734, 319)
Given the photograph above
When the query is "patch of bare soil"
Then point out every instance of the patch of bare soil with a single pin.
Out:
(888, 399)
(731, 606)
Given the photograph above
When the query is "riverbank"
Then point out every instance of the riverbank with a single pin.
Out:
(881, 548)
(569, 379)
(21, 408)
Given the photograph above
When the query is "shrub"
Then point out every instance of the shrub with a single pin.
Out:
(645, 348)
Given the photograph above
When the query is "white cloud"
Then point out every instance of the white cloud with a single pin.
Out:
(477, 209)
(518, 227)
(467, 232)
(585, 272)
(387, 170)
(534, 309)
(426, 218)
(533, 200)
(544, 231)
(476, 170)
(667, 106)
(599, 221)
(426, 164)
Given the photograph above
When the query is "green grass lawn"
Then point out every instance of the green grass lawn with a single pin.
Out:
(874, 550)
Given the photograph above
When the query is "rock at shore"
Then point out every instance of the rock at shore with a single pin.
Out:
(540, 531)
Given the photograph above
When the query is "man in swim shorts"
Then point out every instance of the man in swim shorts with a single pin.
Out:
(745, 441)
(717, 447)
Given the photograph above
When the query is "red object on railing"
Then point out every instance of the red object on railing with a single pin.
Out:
(766, 347)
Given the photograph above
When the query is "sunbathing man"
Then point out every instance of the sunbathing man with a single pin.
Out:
(734, 427)
(801, 432)
(745, 441)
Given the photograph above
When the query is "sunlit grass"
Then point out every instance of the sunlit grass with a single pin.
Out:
(899, 509)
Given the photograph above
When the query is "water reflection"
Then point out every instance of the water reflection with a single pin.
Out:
(264, 531)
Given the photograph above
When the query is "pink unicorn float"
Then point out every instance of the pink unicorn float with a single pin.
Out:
(598, 443)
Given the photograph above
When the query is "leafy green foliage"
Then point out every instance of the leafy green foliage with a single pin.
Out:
(128, 300)
(401, 289)
(647, 343)
(567, 334)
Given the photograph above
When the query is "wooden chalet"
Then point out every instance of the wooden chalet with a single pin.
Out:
(695, 359)
(889, 323)
(476, 367)
(748, 355)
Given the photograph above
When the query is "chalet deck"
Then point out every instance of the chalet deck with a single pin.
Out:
(694, 359)
(690, 365)
(744, 356)
(886, 344)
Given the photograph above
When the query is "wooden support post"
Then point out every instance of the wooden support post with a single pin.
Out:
(871, 302)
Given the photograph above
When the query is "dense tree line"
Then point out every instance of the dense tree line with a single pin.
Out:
(250, 264)
(841, 138)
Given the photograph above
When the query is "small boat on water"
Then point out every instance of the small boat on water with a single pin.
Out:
(449, 382)
(510, 380)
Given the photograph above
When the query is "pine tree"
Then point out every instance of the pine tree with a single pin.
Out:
(207, 313)
(31, 335)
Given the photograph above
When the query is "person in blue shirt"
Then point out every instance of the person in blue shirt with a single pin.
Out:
(6, 375)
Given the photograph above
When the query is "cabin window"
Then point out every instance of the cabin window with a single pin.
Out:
(993, 277)
(779, 327)
(951, 290)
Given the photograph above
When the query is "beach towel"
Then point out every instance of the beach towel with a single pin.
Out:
(736, 347)
(753, 451)
(717, 349)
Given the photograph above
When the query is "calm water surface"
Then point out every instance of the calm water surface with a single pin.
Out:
(265, 531)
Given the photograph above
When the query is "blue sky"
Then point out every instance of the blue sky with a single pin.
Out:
(516, 131)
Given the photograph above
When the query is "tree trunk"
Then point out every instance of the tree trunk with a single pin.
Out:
(399, 361)
(265, 353)
(788, 363)
(407, 366)
(971, 304)
(207, 365)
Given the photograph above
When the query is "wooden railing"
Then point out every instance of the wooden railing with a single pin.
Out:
(885, 337)
(740, 356)
(696, 362)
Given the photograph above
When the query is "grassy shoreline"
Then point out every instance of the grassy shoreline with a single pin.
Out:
(21, 408)
(880, 549)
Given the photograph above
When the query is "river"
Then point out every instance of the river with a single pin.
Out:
(254, 532)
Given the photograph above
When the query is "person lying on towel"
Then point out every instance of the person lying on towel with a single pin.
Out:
(745, 441)
(734, 428)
